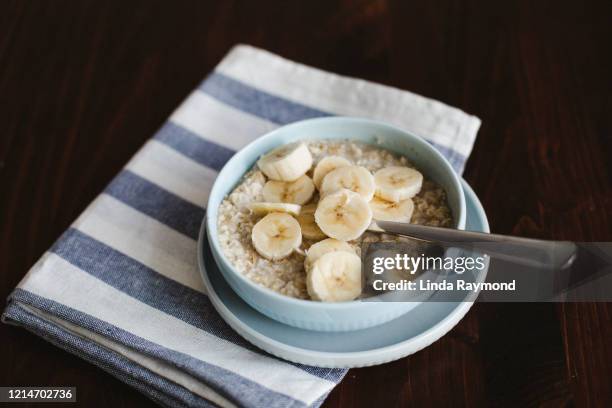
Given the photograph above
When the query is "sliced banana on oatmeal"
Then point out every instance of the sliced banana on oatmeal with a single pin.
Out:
(389, 211)
(266, 208)
(335, 277)
(286, 163)
(323, 247)
(355, 178)
(397, 183)
(326, 165)
(310, 229)
(276, 236)
(343, 215)
(299, 191)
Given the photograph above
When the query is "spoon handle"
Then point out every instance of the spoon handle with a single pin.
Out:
(524, 251)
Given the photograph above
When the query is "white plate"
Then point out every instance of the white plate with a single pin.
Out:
(390, 341)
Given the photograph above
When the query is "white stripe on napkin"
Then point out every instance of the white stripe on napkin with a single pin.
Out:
(173, 172)
(143, 238)
(218, 122)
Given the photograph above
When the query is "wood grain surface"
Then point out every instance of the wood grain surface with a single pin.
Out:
(83, 84)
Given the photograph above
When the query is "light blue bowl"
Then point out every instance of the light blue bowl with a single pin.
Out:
(306, 314)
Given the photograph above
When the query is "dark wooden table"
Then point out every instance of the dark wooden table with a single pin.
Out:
(83, 84)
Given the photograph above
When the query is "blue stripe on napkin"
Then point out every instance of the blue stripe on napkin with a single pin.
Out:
(201, 150)
(249, 99)
(150, 199)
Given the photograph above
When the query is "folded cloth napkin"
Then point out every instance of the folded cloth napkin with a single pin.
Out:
(121, 287)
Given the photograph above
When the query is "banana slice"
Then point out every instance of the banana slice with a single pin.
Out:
(335, 277)
(299, 191)
(389, 211)
(310, 229)
(326, 165)
(343, 215)
(276, 236)
(354, 178)
(397, 183)
(286, 163)
(266, 208)
(323, 247)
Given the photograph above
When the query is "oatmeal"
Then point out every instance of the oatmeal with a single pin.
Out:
(287, 275)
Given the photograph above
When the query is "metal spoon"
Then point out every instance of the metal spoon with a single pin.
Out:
(524, 251)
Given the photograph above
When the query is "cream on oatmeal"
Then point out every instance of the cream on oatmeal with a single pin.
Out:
(288, 276)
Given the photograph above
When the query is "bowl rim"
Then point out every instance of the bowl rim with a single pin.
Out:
(217, 251)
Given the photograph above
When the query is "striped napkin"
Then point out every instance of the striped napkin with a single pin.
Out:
(121, 287)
